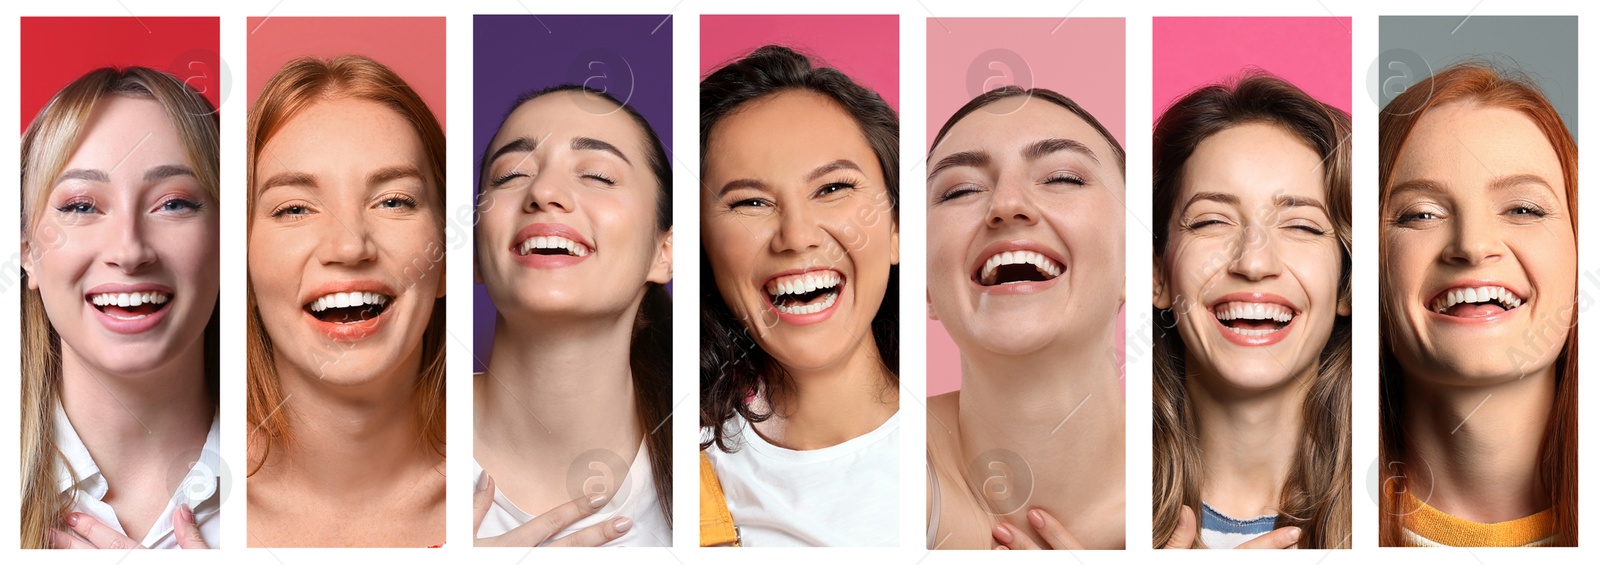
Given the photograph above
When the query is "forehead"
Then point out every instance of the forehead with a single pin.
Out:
(1465, 143)
(1009, 124)
(786, 134)
(1255, 161)
(339, 133)
(124, 130)
(572, 114)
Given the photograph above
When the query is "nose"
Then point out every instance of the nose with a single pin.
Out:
(797, 230)
(548, 193)
(1011, 202)
(1475, 241)
(1256, 254)
(348, 240)
(131, 251)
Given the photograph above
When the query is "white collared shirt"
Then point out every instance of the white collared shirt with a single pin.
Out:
(200, 488)
(650, 528)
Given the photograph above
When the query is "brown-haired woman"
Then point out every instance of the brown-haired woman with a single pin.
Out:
(1252, 295)
(346, 309)
(1479, 370)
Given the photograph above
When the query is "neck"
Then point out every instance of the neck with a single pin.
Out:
(1248, 441)
(353, 441)
(1479, 446)
(571, 393)
(129, 420)
(831, 406)
(1061, 410)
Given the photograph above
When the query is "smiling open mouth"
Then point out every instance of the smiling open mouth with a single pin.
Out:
(1253, 319)
(348, 307)
(552, 245)
(1476, 302)
(1017, 267)
(130, 305)
(807, 293)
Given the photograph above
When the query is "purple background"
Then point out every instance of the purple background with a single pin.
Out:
(513, 55)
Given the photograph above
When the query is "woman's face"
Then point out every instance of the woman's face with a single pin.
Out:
(1251, 269)
(1025, 235)
(124, 249)
(1482, 256)
(798, 226)
(346, 256)
(567, 212)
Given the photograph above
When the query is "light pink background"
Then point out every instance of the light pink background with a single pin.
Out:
(1311, 53)
(1083, 59)
(867, 48)
(411, 47)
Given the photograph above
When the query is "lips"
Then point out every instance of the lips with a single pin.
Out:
(129, 308)
(805, 296)
(1016, 267)
(1253, 318)
(1475, 301)
(348, 310)
(550, 246)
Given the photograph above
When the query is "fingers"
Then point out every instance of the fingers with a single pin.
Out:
(98, 533)
(596, 535)
(1281, 538)
(539, 529)
(1183, 536)
(481, 500)
(63, 540)
(1009, 537)
(1051, 530)
(185, 530)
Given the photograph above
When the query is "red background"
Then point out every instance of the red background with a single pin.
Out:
(55, 51)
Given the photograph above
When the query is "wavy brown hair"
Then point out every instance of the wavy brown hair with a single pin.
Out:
(1478, 83)
(1316, 495)
(295, 87)
(46, 146)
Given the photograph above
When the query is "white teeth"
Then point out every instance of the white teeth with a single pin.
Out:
(129, 299)
(1475, 295)
(801, 284)
(827, 301)
(1049, 268)
(347, 299)
(553, 242)
(1253, 311)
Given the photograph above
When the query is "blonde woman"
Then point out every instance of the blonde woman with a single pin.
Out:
(119, 323)
(346, 310)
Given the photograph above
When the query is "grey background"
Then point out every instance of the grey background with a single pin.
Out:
(1545, 48)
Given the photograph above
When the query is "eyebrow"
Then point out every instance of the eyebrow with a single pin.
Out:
(1509, 181)
(1045, 147)
(518, 145)
(962, 159)
(396, 172)
(92, 175)
(289, 179)
(1498, 183)
(1290, 201)
(1218, 197)
(150, 176)
(592, 144)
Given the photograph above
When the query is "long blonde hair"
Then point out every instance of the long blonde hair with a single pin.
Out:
(299, 84)
(47, 145)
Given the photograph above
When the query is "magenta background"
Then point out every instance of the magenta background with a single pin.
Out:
(867, 48)
(1312, 53)
(1084, 59)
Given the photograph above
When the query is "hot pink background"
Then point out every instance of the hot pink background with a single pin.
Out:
(1312, 53)
(1083, 59)
(411, 47)
(867, 48)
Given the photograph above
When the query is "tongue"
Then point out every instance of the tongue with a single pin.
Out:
(1474, 310)
(1254, 324)
(132, 311)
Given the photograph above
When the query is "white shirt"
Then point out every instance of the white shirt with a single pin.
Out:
(199, 489)
(846, 495)
(641, 504)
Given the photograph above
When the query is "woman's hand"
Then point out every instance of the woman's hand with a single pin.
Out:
(538, 530)
(1007, 536)
(1188, 531)
(101, 536)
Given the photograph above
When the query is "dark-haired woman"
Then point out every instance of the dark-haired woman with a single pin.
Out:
(1025, 271)
(574, 245)
(799, 369)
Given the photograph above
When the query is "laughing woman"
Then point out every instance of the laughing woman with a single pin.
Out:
(1252, 291)
(119, 316)
(346, 310)
(574, 247)
(1479, 258)
(799, 360)
(1025, 271)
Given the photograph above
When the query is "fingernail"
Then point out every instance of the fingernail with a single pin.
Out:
(483, 485)
(186, 513)
(1001, 547)
(1036, 518)
(596, 501)
(1002, 534)
(622, 525)
(72, 519)
(1294, 534)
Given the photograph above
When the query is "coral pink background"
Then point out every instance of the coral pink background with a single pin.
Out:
(411, 47)
(867, 48)
(1312, 53)
(1083, 59)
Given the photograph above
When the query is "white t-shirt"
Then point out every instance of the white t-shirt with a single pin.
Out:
(846, 495)
(641, 504)
(199, 489)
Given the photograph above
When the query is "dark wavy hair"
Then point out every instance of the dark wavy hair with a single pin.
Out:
(650, 355)
(732, 366)
(1010, 91)
(1316, 494)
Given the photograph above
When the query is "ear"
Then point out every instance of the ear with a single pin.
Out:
(28, 261)
(931, 314)
(661, 269)
(1162, 296)
(1344, 306)
(894, 243)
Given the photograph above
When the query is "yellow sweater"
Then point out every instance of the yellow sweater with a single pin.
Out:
(1428, 527)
